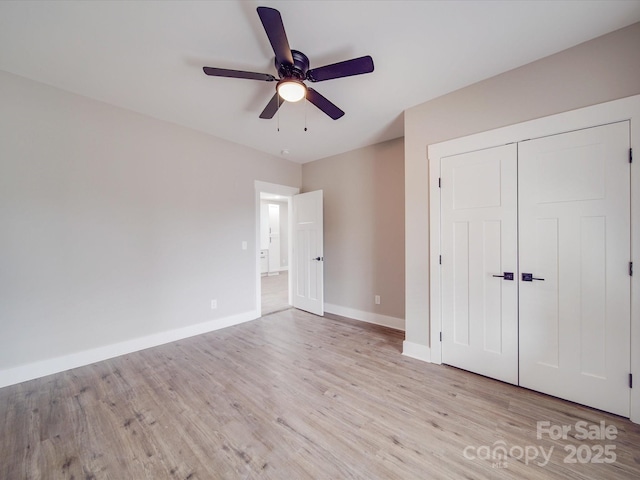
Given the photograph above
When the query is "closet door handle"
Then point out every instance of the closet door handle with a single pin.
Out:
(528, 277)
(506, 276)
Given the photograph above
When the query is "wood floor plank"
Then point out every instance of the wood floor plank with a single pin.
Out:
(290, 396)
(274, 293)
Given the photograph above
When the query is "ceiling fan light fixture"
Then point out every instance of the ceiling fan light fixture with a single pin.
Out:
(291, 90)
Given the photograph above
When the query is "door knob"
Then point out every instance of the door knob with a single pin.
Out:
(318, 259)
(506, 276)
(528, 277)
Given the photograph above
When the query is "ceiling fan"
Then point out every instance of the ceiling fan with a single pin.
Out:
(293, 70)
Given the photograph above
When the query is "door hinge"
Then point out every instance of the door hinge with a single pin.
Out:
(631, 380)
(440, 336)
(440, 260)
(631, 155)
(631, 269)
(439, 182)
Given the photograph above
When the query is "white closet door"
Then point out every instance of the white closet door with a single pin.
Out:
(574, 214)
(479, 244)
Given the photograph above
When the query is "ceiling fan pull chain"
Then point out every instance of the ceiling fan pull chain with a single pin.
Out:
(305, 113)
(278, 112)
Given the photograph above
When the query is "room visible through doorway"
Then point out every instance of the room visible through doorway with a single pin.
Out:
(274, 253)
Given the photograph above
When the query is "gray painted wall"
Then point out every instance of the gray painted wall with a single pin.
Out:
(363, 226)
(600, 70)
(115, 226)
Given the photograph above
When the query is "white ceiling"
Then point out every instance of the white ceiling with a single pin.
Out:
(147, 56)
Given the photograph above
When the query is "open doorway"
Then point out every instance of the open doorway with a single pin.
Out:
(274, 204)
(274, 252)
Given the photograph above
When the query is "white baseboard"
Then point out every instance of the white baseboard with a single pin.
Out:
(42, 368)
(376, 318)
(417, 351)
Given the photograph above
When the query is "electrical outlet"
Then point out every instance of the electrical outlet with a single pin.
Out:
(377, 299)
(214, 304)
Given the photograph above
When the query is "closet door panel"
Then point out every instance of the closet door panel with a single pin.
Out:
(479, 244)
(574, 242)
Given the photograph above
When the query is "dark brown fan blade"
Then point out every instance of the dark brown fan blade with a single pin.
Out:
(355, 66)
(272, 23)
(224, 72)
(323, 104)
(272, 107)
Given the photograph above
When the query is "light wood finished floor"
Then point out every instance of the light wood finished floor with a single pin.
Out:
(290, 396)
(275, 293)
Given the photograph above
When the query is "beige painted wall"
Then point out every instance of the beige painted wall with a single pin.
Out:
(363, 227)
(603, 69)
(115, 226)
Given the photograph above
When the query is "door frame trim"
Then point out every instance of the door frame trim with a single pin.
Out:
(610, 112)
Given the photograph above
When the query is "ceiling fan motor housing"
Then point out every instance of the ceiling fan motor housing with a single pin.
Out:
(299, 68)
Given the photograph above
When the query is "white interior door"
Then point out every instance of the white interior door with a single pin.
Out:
(479, 262)
(574, 214)
(307, 273)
